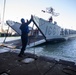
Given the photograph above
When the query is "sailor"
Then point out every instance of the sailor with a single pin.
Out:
(50, 19)
(24, 34)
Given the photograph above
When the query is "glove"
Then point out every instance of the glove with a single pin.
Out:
(31, 17)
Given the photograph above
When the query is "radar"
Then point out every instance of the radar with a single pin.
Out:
(51, 11)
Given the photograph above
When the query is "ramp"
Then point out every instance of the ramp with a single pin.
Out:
(14, 25)
(36, 43)
(48, 29)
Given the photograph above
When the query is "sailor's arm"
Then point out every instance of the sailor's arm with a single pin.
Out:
(30, 20)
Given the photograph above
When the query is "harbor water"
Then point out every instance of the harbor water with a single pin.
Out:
(65, 50)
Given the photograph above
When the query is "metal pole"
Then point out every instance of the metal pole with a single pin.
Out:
(3, 14)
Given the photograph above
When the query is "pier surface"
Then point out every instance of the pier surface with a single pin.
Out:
(11, 64)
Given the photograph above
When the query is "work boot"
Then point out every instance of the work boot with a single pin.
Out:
(20, 55)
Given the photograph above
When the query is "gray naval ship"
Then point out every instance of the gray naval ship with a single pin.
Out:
(46, 30)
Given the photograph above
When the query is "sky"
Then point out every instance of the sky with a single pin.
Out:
(17, 9)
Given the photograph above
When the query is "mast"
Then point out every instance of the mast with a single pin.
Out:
(3, 14)
(51, 11)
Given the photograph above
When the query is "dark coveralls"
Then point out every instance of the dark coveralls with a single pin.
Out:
(24, 36)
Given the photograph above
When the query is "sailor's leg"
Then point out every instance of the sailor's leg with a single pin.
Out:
(23, 48)
(24, 44)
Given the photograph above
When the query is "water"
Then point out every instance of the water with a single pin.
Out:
(8, 39)
(64, 50)
(5, 49)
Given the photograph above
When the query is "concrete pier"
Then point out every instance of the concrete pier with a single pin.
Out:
(11, 64)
